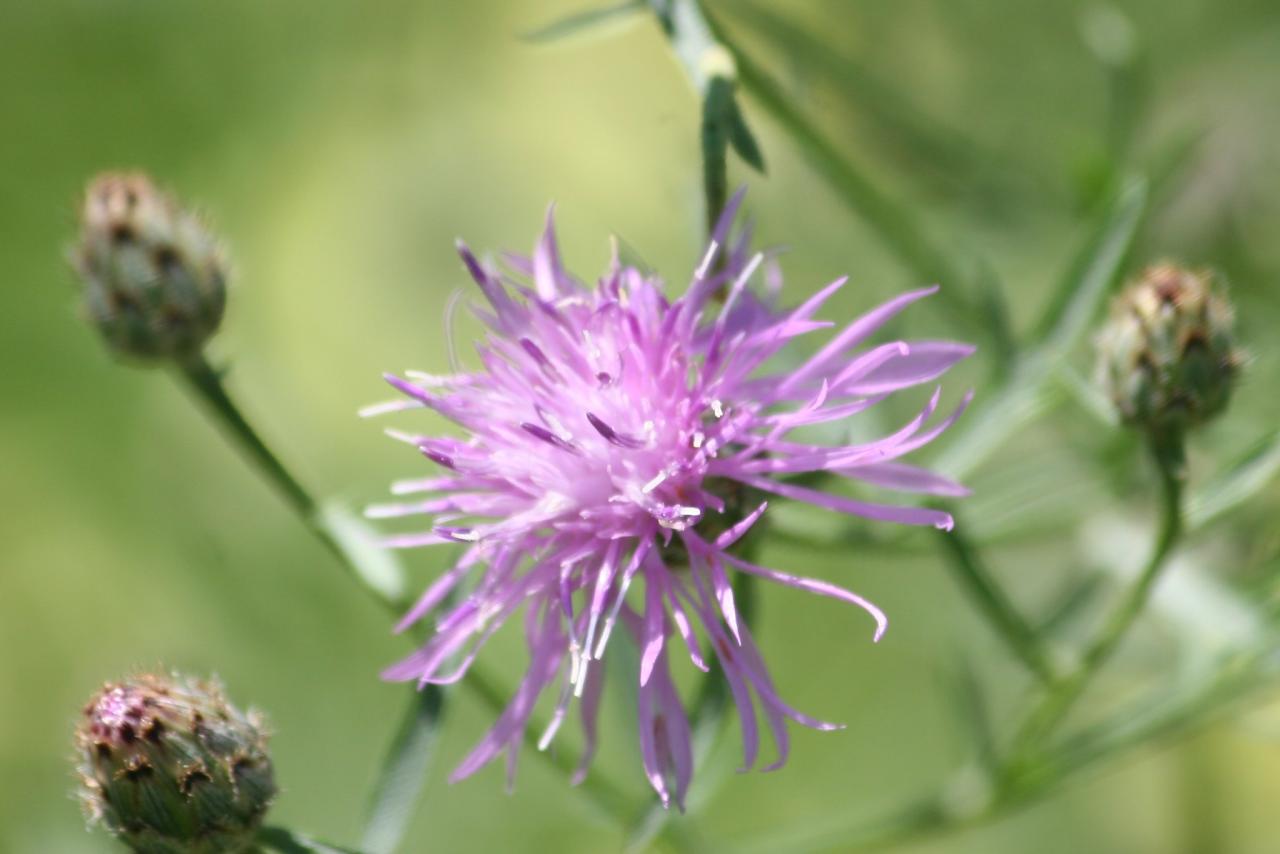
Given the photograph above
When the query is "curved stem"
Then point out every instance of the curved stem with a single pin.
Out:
(206, 383)
(994, 603)
(1062, 696)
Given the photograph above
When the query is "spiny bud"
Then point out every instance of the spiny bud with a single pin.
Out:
(168, 766)
(1167, 357)
(154, 278)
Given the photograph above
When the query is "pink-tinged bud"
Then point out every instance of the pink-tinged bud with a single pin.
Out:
(169, 766)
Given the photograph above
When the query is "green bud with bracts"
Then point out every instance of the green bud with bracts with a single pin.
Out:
(154, 278)
(1167, 357)
(169, 766)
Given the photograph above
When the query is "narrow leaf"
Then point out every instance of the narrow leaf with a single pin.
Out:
(1070, 603)
(907, 128)
(988, 426)
(723, 127)
(379, 569)
(993, 305)
(693, 31)
(404, 772)
(1089, 397)
(742, 140)
(970, 701)
(716, 106)
(629, 256)
(1003, 616)
(580, 23)
(1072, 309)
(1237, 484)
(1075, 301)
(286, 841)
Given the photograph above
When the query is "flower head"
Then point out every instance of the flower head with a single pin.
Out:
(154, 277)
(1167, 358)
(168, 765)
(610, 435)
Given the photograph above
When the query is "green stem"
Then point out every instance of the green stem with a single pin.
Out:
(994, 603)
(1251, 678)
(1062, 696)
(206, 383)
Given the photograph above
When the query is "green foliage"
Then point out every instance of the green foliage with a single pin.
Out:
(404, 772)
(1235, 485)
(378, 568)
(285, 841)
(341, 166)
(1074, 304)
(587, 22)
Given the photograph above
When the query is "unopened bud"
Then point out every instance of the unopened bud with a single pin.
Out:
(154, 277)
(168, 766)
(1167, 357)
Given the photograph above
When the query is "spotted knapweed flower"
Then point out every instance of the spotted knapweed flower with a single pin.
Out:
(612, 433)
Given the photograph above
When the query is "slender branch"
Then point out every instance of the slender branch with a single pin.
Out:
(969, 569)
(206, 383)
(1061, 697)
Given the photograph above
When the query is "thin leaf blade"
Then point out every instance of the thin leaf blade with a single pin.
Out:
(588, 21)
(285, 841)
(1240, 482)
(743, 140)
(1095, 269)
(1029, 392)
(378, 567)
(404, 772)
(932, 144)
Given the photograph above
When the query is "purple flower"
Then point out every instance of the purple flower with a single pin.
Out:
(610, 433)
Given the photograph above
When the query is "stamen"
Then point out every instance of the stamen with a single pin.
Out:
(547, 436)
(613, 436)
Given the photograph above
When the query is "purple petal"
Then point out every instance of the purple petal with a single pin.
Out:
(906, 478)
(866, 509)
(853, 333)
(813, 585)
(735, 532)
(925, 362)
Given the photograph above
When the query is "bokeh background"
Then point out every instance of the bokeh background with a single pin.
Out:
(340, 147)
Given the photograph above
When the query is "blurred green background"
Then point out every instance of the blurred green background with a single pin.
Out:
(340, 147)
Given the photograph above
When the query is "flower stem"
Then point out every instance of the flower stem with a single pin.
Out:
(206, 383)
(994, 603)
(1167, 453)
